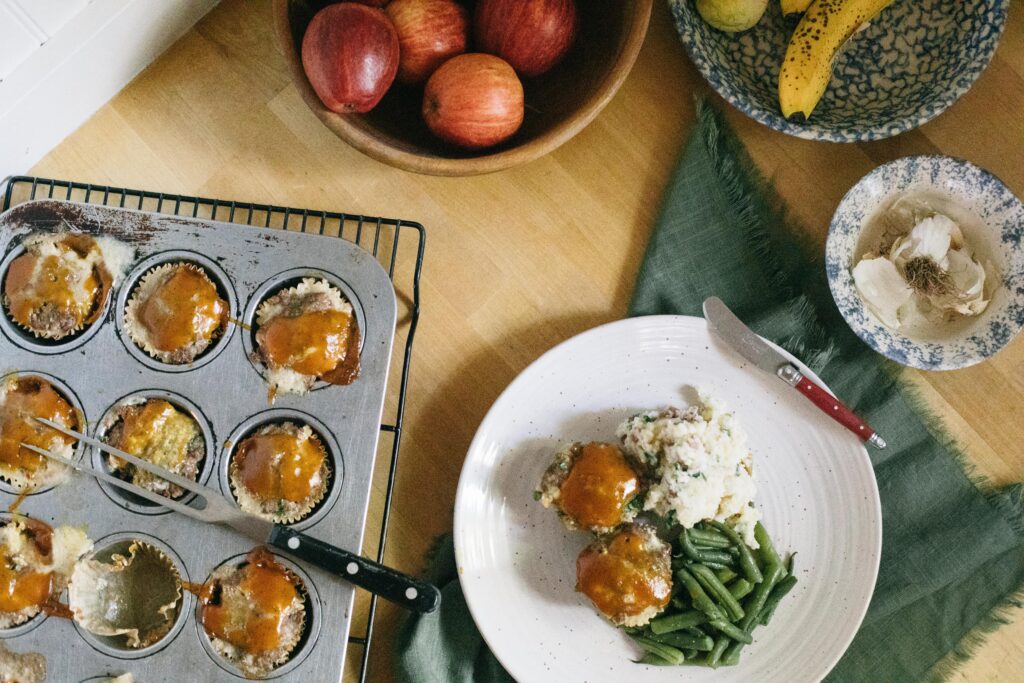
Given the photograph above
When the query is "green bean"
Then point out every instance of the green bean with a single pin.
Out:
(698, 661)
(666, 652)
(740, 588)
(755, 603)
(775, 598)
(716, 652)
(767, 550)
(717, 566)
(690, 654)
(653, 660)
(676, 622)
(695, 632)
(717, 589)
(731, 630)
(726, 531)
(709, 538)
(732, 654)
(701, 555)
(747, 562)
(725, 575)
(685, 641)
(700, 599)
(706, 629)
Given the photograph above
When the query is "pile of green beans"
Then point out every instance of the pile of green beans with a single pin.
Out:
(722, 591)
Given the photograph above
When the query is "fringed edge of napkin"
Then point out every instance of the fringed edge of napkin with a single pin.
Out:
(1008, 500)
(745, 186)
(734, 167)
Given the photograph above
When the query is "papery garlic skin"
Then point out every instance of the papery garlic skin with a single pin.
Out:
(968, 278)
(931, 238)
(883, 288)
(886, 285)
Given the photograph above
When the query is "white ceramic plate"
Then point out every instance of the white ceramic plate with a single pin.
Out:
(517, 563)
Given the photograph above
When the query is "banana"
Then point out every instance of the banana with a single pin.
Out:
(807, 69)
(794, 6)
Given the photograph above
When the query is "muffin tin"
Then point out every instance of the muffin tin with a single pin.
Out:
(227, 394)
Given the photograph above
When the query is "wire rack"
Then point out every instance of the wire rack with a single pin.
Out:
(383, 237)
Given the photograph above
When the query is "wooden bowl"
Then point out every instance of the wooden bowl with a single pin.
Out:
(559, 104)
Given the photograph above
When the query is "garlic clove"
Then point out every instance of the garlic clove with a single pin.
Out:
(883, 288)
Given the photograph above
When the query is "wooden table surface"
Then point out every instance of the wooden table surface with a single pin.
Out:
(521, 260)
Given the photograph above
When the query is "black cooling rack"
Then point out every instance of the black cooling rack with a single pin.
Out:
(403, 259)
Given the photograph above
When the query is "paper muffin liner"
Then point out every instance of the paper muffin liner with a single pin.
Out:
(52, 472)
(68, 545)
(194, 454)
(107, 258)
(24, 667)
(277, 510)
(124, 580)
(147, 285)
(291, 302)
(12, 619)
(258, 666)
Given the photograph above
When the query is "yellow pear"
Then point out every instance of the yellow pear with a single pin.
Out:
(732, 16)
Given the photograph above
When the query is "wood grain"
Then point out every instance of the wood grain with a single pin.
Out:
(520, 260)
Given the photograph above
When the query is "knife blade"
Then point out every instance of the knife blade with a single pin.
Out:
(730, 329)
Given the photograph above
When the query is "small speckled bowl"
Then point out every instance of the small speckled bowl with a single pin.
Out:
(996, 232)
(915, 60)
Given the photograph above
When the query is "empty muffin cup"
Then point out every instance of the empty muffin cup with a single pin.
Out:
(127, 598)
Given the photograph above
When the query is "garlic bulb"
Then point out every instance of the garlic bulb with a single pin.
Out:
(933, 264)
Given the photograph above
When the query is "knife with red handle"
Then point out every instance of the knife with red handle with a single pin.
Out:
(742, 339)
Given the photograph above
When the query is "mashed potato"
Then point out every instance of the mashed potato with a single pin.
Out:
(699, 464)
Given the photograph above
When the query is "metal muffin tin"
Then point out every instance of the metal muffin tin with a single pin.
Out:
(230, 395)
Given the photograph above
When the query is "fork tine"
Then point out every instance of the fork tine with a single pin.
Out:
(127, 486)
(187, 484)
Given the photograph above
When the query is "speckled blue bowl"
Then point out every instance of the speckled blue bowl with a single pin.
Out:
(999, 233)
(915, 60)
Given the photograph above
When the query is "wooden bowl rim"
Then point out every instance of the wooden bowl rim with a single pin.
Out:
(487, 163)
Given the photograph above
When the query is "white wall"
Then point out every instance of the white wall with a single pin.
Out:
(61, 60)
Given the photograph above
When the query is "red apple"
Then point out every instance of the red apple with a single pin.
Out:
(430, 32)
(350, 55)
(474, 101)
(371, 3)
(531, 35)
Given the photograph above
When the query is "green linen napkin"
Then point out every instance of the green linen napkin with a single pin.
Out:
(953, 547)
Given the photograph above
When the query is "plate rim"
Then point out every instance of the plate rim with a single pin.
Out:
(459, 524)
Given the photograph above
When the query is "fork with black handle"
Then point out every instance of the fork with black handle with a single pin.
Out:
(383, 581)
